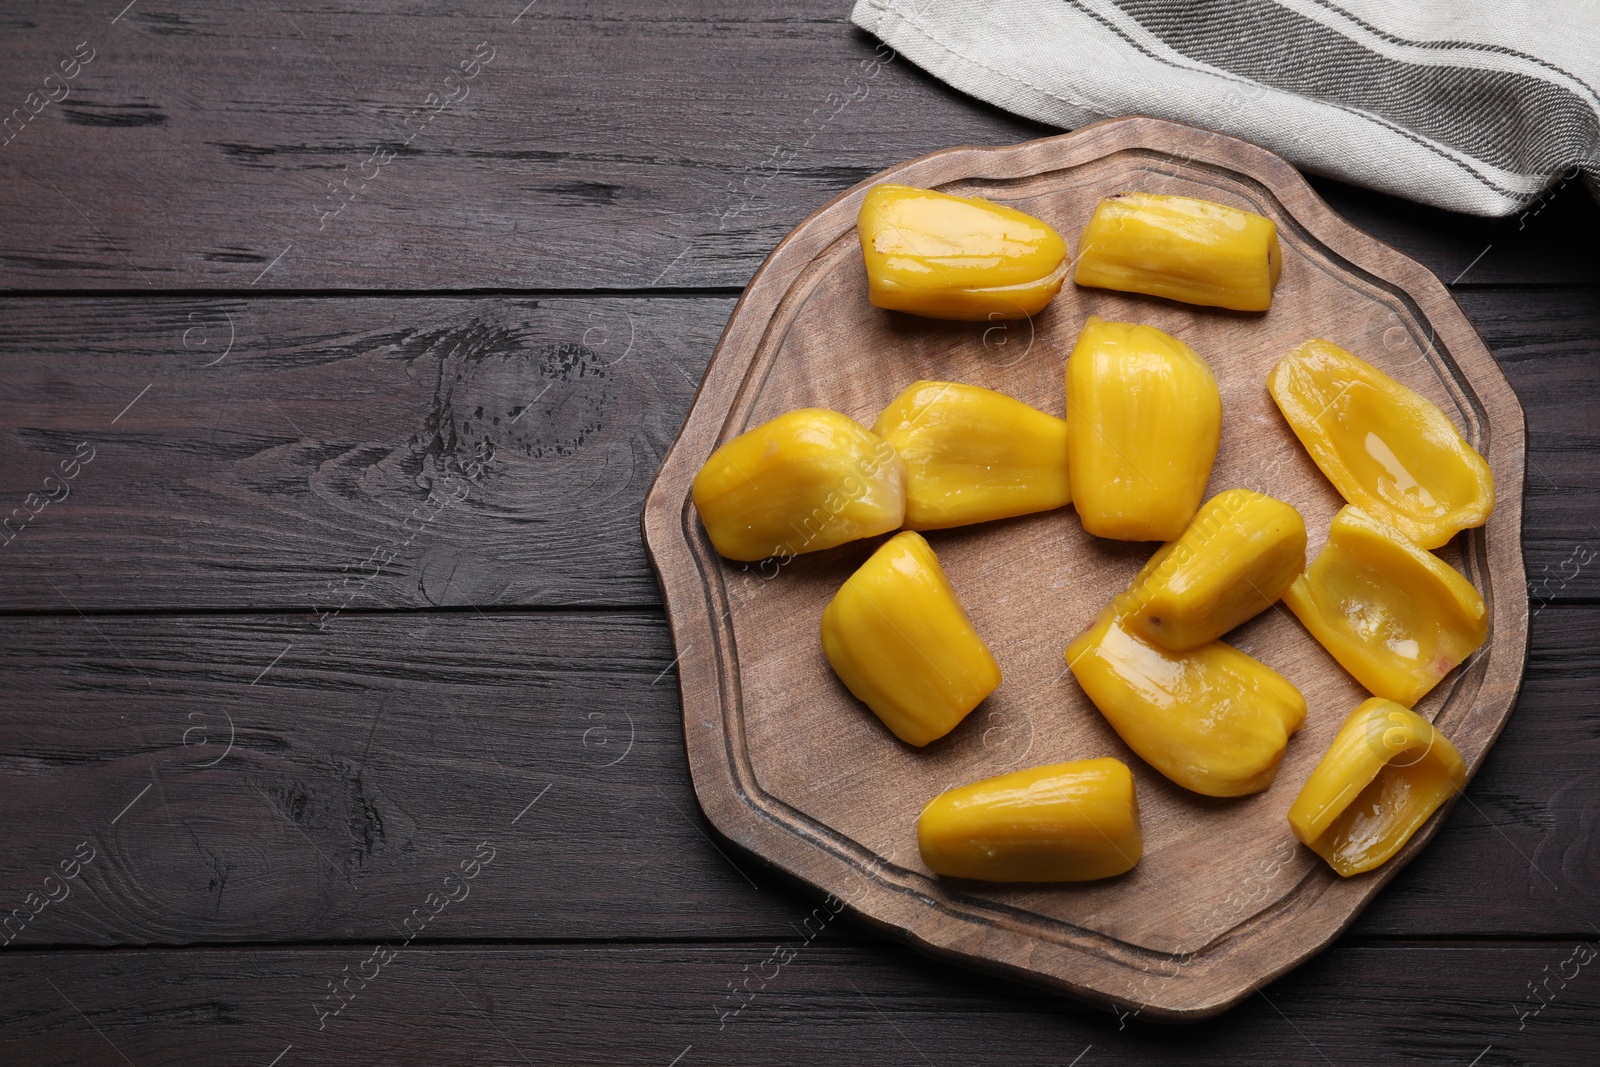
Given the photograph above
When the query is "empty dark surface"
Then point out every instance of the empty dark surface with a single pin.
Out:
(354, 574)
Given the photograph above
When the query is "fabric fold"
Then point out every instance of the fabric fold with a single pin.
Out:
(1483, 112)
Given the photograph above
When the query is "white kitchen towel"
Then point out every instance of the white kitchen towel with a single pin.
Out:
(1480, 106)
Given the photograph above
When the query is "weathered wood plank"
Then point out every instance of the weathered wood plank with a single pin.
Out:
(298, 471)
(370, 758)
(225, 137)
(213, 136)
(1532, 247)
(356, 454)
(1550, 351)
(554, 165)
(828, 1001)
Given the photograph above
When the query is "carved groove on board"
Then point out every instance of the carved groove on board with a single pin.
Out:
(1350, 272)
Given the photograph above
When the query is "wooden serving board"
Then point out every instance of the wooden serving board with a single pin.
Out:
(788, 765)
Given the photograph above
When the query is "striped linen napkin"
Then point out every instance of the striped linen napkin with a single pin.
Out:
(1481, 107)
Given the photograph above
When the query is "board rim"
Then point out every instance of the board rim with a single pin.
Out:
(1091, 968)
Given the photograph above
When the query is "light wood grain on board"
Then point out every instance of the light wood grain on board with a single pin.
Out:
(788, 764)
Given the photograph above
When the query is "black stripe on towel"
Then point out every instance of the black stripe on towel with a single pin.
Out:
(1513, 121)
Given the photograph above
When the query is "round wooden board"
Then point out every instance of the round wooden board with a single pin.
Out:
(788, 765)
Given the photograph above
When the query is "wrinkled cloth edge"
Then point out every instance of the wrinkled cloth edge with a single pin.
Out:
(1295, 127)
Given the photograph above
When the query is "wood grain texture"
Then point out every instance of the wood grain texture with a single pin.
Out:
(357, 453)
(1468, 253)
(823, 1002)
(787, 763)
(256, 778)
(372, 753)
(201, 147)
(560, 167)
(632, 145)
(270, 479)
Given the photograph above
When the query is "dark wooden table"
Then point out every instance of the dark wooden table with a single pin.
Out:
(338, 350)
